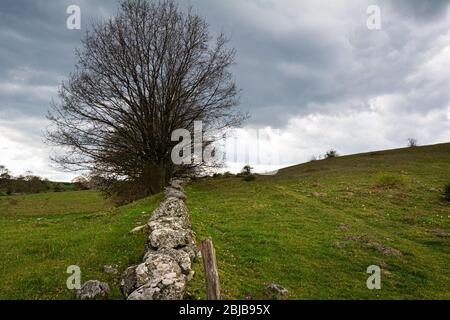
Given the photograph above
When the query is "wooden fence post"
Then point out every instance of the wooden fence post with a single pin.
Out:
(210, 266)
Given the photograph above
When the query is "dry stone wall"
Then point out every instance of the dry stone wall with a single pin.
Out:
(170, 248)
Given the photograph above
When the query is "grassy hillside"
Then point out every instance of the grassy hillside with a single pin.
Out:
(54, 203)
(315, 228)
(41, 235)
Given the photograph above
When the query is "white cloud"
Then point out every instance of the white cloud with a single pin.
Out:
(352, 132)
(21, 152)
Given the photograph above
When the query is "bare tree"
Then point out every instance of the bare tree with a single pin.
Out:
(412, 143)
(332, 153)
(151, 69)
(5, 174)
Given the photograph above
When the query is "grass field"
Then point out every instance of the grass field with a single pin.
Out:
(43, 234)
(313, 228)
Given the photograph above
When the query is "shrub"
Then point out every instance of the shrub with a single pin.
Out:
(57, 187)
(122, 191)
(249, 178)
(228, 175)
(331, 154)
(24, 184)
(80, 183)
(447, 192)
(389, 181)
(247, 174)
(247, 170)
(412, 143)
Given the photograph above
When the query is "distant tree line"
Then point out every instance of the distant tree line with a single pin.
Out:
(29, 183)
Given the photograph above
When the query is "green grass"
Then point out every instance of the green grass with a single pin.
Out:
(315, 228)
(54, 203)
(43, 234)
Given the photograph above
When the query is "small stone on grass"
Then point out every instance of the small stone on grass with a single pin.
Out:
(93, 289)
(274, 288)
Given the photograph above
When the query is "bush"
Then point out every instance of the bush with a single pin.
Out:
(122, 192)
(249, 178)
(80, 183)
(247, 170)
(228, 175)
(331, 154)
(247, 174)
(447, 192)
(412, 143)
(389, 181)
(57, 188)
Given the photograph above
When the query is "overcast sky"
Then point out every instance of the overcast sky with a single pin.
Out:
(312, 74)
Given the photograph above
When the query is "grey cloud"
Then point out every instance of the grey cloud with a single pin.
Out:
(38, 50)
(332, 59)
(337, 59)
(294, 58)
(421, 10)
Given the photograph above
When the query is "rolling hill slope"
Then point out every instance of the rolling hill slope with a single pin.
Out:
(313, 228)
(43, 234)
(316, 227)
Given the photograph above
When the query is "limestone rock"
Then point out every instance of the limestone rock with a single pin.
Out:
(171, 192)
(110, 269)
(170, 207)
(340, 244)
(171, 238)
(181, 257)
(177, 184)
(192, 251)
(170, 291)
(93, 289)
(129, 281)
(176, 223)
(180, 181)
(170, 247)
(158, 278)
(273, 288)
(138, 229)
(320, 194)
(386, 251)
(190, 276)
(344, 226)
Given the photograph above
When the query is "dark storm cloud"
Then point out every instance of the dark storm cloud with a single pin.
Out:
(297, 61)
(420, 9)
(298, 57)
(37, 51)
(287, 58)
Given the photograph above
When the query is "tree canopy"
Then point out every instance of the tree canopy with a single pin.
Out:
(151, 69)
